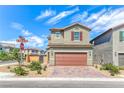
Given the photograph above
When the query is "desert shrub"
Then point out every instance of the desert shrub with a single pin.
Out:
(101, 68)
(35, 66)
(8, 67)
(107, 66)
(39, 71)
(112, 69)
(20, 71)
(112, 74)
(45, 67)
(121, 68)
(96, 66)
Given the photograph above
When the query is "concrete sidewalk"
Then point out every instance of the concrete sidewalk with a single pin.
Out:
(7, 63)
(6, 75)
(61, 79)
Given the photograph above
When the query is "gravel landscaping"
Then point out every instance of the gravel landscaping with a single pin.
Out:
(7, 69)
(107, 73)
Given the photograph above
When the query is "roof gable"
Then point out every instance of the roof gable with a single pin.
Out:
(62, 29)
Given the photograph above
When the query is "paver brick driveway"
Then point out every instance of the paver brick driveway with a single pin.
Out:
(75, 71)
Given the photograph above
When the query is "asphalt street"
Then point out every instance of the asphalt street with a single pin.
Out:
(61, 84)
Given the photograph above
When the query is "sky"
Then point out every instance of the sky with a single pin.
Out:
(34, 22)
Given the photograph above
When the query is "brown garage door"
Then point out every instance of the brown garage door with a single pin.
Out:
(71, 59)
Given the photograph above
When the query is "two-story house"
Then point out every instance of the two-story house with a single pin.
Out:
(69, 46)
(109, 46)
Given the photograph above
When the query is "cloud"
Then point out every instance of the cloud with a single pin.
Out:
(62, 15)
(37, 41)
(13, 41)
(95, 16)
(109, 19)
(102, 20)
(26, 32)
(79, 17)
(21, 28)
(17, 26)
(34, 40)
(9, 41)
(46, 13)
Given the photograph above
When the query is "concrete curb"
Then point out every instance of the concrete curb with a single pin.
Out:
(62, 79)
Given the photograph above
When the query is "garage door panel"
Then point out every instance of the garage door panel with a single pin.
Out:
(69, 59)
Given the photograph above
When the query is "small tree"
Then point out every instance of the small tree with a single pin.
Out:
(4, 56)
(16, 55)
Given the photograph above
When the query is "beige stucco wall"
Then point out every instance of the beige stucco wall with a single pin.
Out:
(67, 40)
(85, 35)
(53, 51)
(67, 36)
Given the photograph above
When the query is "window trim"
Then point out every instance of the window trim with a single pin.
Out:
(121, 37)
(78, 36)
(58, 34)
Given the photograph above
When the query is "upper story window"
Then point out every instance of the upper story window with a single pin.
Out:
(33, 51)
(121, 35)
(76, 35)
(58, 34)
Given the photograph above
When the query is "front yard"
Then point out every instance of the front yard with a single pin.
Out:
(26, 71)
(32, 70)
(37, 69)
(110, 70)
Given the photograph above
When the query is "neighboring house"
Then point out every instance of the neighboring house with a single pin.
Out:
(34, 51)
(69, 46)
(6, 47)
(45, 58)
(109, 46)
(33, 54)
